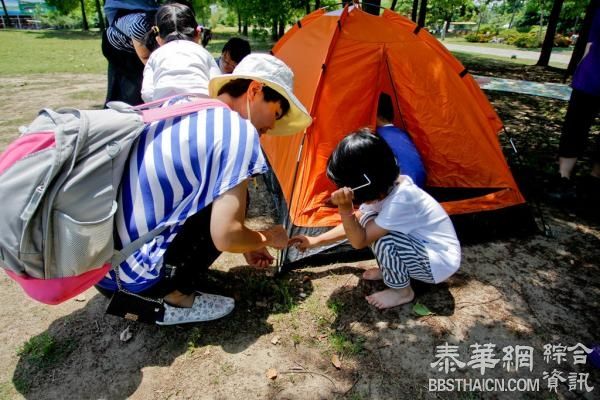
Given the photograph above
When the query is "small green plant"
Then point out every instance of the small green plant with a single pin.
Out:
(335, 306)
(44, 350)
(344, 344)
(194, 339)
(296, 338)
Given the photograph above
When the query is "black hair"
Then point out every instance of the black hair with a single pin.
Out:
(385, 108)
(237, 87)
(363, 153)
(237, 48)
(173, 21)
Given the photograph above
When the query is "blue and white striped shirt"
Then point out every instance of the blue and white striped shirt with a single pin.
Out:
(178, 167)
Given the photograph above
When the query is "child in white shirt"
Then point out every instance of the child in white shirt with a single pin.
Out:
(180, 65)
(408, 231)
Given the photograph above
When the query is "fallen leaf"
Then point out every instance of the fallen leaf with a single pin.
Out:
(126, 335)
(80, 298)
(271, 373)
(421, 310)
(335, 360)
(275, 340)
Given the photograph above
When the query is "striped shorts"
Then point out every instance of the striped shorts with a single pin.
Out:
(401, 257)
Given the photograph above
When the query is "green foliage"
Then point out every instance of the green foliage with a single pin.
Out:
(56, 19)
(44, 350)
(345, 344)
(479, 37)
(528, 40)
(561, 41)
(491, 29)
(509, 36)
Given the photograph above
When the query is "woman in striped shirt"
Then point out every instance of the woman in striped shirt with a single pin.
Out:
(189, 175)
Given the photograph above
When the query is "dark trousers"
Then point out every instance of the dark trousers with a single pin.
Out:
(125, 74)
(188, 257)
(582, 110)
(192, 252)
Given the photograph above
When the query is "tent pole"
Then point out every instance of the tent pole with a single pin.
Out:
(545, 229)
(288, 221)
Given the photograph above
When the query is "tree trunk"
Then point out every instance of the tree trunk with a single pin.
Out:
(6, 17)
(582, 40)
(274, 28)
(550, 32)
(86, 26)
(281, 29)
(239, 15)
(512, 17)
(415, 8)
(317, 4)
(307, 6)
(245, 28)
(393, 6)
(372, 7)
(100, 16)
(422, 13)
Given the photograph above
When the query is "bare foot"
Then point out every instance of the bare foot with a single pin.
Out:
(373, 274)
(391, 297)
(178, 299)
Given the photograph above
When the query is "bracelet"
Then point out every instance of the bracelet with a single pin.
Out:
(346, 214)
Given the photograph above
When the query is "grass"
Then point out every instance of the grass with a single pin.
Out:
(45, 51)
(68, 51)
(346, 345)
(44, 350)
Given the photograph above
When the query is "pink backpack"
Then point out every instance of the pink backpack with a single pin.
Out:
(58, 189)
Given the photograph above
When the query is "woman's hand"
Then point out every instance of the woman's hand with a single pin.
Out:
(259, 258)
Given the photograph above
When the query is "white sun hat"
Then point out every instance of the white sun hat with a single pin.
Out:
(272, 72)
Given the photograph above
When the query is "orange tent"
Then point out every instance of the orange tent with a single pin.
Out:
(342, 61)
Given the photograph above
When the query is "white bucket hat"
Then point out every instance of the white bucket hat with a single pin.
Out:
(272, 72)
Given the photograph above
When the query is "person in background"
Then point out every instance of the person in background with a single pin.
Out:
(114, 7)
(582, 110)
(409, 232)
(233, 52)
(180, 65)
(125, 49)
(402, 146)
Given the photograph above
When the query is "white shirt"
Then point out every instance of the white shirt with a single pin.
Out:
(410, 210)
(178, 67)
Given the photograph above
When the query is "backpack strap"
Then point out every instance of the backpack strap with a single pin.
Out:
(151, 112)
(121, 255)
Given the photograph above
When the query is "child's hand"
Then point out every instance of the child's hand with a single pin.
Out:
(301, 242)
(343, 199)
(259, 258)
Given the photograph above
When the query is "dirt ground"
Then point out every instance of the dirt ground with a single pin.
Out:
(517, 291)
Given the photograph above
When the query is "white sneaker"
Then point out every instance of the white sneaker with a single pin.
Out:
(206, 307)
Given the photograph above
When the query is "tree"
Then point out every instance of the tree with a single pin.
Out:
(422, 13)
(550, 32)
(86, 26)
(372, 6)
(415, 8)
(583, 39)
(100, 16)
(6, 17)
